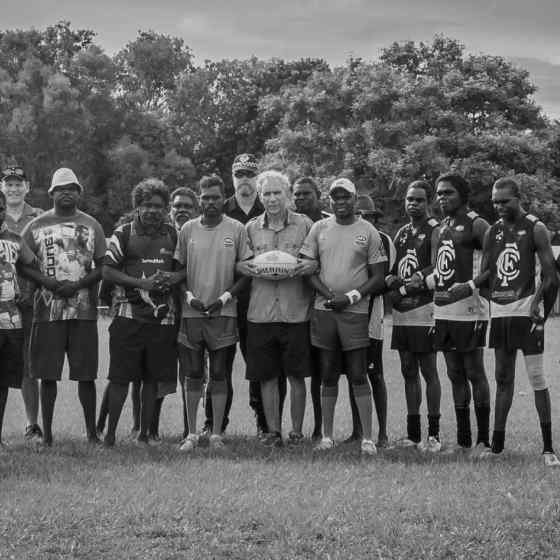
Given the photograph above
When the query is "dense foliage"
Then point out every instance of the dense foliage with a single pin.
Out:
(417, 111)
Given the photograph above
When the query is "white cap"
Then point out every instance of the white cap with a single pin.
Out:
(343, 183)
(64, 176)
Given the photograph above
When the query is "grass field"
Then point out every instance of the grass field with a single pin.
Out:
(74, 501)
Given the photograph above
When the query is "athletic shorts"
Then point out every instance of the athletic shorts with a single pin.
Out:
(412, 338)
(332, 330)
(212, 333)
(516, 333)
(11, 357)
(275, 349)
(460, 336)
(52, 341)
(142, 351)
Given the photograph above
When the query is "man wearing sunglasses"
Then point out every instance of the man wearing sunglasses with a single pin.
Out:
(15, 186)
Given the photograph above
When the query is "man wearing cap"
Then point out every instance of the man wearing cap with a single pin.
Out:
(351, 260)
(243, 206)
(366, 208)
(69, 246)
(15, 186)
(307, 197)
(278, 317)
(460, 322)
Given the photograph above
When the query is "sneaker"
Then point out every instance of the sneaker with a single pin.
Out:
(405, 443)
(550, 459)
(295, 438)
(189, 444)
(325, 444)
(431, 445)
(368, 447)
(33, 432)
(273, 439)
(216, 442)
(479, 449)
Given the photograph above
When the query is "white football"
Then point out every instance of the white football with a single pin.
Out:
(274, 265)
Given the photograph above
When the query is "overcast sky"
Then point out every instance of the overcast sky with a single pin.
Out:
(331, 29)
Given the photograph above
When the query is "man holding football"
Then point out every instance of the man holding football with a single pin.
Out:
(278, 316)
(351, 260)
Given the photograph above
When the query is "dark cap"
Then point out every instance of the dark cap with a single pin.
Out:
(245, 162)
(14, 171)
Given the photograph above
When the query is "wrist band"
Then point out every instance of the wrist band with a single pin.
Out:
(190, 297)
(354, 296)
(430, 281)
(225, 297)
(402, 291)
(472, 285)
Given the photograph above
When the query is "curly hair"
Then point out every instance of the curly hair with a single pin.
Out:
(147, 188)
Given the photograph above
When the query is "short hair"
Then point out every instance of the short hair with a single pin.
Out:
(508, 183)
(209, 181)
(3, 197)
(458, 182)
(306, 180)
(184, 191)
(424, 185)
(147, 188)
(273, 175)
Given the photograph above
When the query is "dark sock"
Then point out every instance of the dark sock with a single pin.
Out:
(498, 440)
(3, 399)
(546, 429)
(413, 428)
(464, 437)
(87, 396)
(433, 425)
(482, 421)
(154, 426)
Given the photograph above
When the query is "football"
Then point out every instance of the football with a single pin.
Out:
(274, 265)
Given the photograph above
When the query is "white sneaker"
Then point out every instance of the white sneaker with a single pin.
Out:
(325, 444)
(550, 459)
(368, 447)
(191, 441)
(216, 442)
(431, 445)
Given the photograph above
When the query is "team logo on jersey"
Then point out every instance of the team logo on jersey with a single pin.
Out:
(445, 261)
(360, 240)
(507, 264)
(228, 242)
(408, 264)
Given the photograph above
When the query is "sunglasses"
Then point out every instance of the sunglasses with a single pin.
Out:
(244, 173)
(13, 172)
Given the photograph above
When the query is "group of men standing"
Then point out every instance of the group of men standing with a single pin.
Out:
(184, 289)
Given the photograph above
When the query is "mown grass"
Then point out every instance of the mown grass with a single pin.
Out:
(74, 501)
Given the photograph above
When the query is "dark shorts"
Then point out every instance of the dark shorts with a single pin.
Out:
(516, 333)
(460, 336)
(213, 333)
(412, 338)
(11, 357)
(26, 322)
(275, 349)
(52, 341)
(142, 351)
(333, 330)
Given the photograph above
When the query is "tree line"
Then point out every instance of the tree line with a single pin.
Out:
(419, 110)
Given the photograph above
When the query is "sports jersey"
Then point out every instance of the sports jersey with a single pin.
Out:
(513, 268)
(414, 254)
(344, 253)
(12, 250)
(210, 255)
(458, 260)
(140, 254)
(65, 247)
(555, 244)
(282, 301)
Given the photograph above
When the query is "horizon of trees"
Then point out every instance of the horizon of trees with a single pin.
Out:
(420, 110)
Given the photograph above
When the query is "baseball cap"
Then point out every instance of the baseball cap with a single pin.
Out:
(245, 162)
(14, 171)
(365, 206)
(64, 176)
(343, 183)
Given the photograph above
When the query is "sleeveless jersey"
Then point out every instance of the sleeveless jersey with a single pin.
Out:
(513, 266)
(414, 253)
(458, 260)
